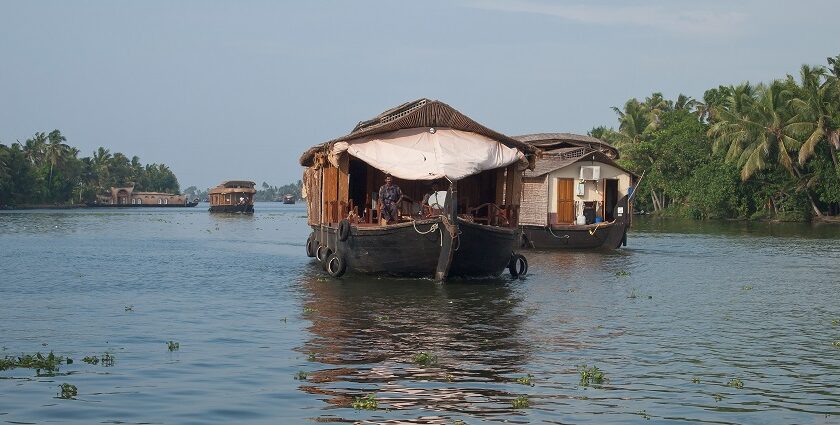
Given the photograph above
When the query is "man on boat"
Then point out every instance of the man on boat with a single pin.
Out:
(433, 201)
(390, 196)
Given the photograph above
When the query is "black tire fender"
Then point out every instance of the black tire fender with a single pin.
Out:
(518, 265)
(311, 246)
(327, 253)
(321, 252)
(335, 265)
(343, 230)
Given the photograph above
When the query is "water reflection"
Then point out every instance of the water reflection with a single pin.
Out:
(371, 329)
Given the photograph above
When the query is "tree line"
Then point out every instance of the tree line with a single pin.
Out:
(266, 193)
(46, 170)
(766, 150)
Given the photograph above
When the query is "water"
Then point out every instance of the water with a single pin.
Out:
(702, 302)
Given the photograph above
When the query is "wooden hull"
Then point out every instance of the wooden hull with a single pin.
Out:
(415, 250)
(243, 209)
(482, 250)
(610, 235)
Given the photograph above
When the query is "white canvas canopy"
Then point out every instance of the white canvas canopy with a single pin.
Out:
(429, 154)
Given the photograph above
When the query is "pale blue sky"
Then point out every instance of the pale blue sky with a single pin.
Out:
(237, 90)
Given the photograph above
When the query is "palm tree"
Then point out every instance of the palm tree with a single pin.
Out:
(34, 148)
(685, 103)
(818, 100)
(633, 121)
(762, 130)
(101, 167)
(55, 152)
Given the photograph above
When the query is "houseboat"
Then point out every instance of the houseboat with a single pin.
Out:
(577, 196)
(122, 197)
(233, 196)
(468, 175)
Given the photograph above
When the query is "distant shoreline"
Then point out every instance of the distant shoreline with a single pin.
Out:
(81, 206)
(41, 207)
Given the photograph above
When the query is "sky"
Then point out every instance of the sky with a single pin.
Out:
(224, 90)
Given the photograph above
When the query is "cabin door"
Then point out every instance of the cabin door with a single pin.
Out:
(565, 201)
(610, 198)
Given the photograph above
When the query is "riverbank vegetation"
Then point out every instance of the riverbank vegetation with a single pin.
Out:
(46, 170)
(746, 151)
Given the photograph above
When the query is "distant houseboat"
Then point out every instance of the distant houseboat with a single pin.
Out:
(288, 198)
(577, 196)
(128, 197)
(233, 196)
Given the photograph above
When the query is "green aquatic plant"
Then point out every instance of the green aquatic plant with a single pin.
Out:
(312, 356)
(835, 322)
(449, 377)
(37, 361)
(520, 402)
(591, 376)
(381, 318)
(68, 391)
(173, 346)
(91, 360)
(459, 422)
(526, 380)
(836, 343)
(129, 308)
(735, 383)
(622, 273)
(301, 376)
(695, 380)
(107, 359)
(717, 397)
(309, 310)
(367, 402)
(643, 414)
(425, 359)
(747, 287)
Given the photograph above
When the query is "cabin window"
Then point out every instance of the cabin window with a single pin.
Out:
(139, 201)
(160, 201)
(166, 201)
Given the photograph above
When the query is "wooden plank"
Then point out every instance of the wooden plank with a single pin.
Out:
(343, 183)
(500, 187)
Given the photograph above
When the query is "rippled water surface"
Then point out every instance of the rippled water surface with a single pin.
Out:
(684, 310)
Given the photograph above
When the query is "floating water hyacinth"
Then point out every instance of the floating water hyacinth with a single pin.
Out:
(367, 402)
(735, 383)
(520, 402)
(37, 361)
(526, 380)
(68, 391)
(425, 359)
(591, 376)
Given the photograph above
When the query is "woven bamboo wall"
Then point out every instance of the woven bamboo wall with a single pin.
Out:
(534, 209)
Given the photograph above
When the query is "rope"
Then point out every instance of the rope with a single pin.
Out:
(453, 230)
(431, 229)
(552, 233)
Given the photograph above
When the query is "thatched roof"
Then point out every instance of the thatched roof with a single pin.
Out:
(417, 114)
(234, 183)
(564, 157)
(551, 141)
